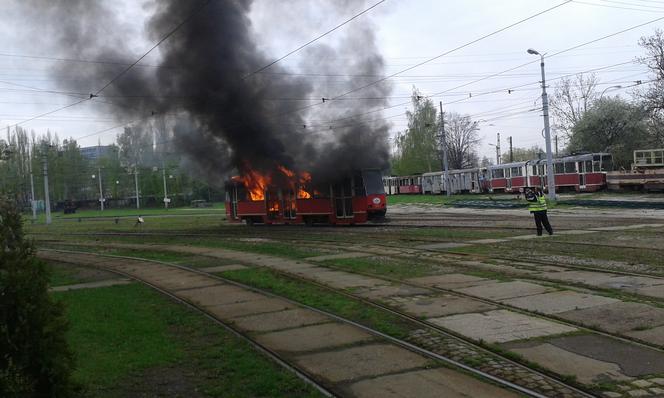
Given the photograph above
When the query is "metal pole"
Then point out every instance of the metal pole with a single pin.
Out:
(32, 188)
(101, 192)
(551, 182)
(446, 176)
(163, 169)
(511, 152)
(497, 148)
(555, 139)
(138, 201)
(47, 200)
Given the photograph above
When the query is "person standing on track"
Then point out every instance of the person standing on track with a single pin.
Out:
(537, 206)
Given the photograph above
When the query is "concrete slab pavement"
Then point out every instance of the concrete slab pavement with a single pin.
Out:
(429, 383)
(316, 337)
(500, 326)
(556, 302)
(505, 290)
(361, 362)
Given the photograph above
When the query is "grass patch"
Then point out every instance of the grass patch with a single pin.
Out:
(61, 274)
(324, 299)
(385, 266)
(131, 341)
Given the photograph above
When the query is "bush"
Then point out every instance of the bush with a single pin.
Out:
(35, 360)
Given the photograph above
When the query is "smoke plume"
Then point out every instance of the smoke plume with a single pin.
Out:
(222, 119)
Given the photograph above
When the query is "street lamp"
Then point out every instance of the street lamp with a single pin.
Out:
(551, 183)
(609, 88)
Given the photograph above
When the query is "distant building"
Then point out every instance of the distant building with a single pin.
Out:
(96, 152)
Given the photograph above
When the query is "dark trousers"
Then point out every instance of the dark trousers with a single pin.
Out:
(542, 219)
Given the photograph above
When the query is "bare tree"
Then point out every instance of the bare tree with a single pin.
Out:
(462, 138)
(572, 97)
(653, 95)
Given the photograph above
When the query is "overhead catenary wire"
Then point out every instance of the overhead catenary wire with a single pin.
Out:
(124, 71)
(462, 46)
(313, 40)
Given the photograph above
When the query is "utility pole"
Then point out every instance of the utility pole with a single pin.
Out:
(555, 139)
(166, 200)
(138, 201)
(446, 176)
(511, 152)
(550, 180)
(47, 200)
(101, 192)
(497, 148)
(32, 187)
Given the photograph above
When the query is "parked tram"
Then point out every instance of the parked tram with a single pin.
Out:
(580, 173)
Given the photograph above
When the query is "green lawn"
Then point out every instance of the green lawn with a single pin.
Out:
(131, 341)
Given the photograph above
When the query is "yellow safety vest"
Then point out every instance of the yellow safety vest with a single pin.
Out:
(539, 205)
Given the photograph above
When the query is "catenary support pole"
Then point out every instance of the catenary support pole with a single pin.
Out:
(446, 174)
(511, 152)
(138, 198)
(47, 200)
(33, 203)
(101, 191)
(163, 169)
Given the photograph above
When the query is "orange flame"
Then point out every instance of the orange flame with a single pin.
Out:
(257, 183)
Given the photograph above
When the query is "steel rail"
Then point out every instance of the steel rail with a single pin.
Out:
(391, 339)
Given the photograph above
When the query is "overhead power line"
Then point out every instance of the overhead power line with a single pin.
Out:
(169, 34)
(313, 40)
(516, 67)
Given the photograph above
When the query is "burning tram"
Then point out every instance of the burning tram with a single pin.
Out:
(285, 197)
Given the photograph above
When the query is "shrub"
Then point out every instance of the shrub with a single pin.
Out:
(35, 360)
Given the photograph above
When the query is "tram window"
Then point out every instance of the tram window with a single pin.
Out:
(559, 168)
(570, 167)
(497, 173)
(242, 192)
(358, 185)
(607, 163)
(659, 157)
(588, 166)
(516, 172)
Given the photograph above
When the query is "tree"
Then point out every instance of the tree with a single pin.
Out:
(416, 148)
(612, 125)
(462, 138)
(35, 360)
(523, 154)
(571, 99)
(653, 95)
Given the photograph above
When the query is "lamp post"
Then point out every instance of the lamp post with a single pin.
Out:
(551, 183)
(609, 88)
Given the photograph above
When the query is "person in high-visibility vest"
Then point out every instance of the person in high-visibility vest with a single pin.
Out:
(537, 206)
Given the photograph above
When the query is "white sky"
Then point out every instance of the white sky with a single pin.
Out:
(408, 32)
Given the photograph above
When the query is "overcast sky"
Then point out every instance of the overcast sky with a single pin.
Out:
(408, 32)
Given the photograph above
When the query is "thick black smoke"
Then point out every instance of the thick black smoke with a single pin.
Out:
(220, 118)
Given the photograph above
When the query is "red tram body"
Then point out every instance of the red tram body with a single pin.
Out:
(580, 173)
(354, 200)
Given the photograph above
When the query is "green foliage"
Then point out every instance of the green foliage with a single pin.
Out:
(523, 154)
(417, 148)
(612, 125)
(35, 360)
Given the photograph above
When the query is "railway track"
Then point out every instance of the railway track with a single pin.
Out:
(155, 280)
(440, 290)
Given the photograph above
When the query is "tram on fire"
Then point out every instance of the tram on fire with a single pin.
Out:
(353, 199)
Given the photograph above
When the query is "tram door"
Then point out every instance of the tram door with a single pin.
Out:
(232, 193)
(582, 174)
(342, 195)
(289, 204)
